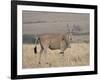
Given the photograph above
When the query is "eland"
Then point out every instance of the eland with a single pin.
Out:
(53, 41)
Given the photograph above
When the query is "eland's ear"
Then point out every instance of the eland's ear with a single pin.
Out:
(69, 32)
(68, 29)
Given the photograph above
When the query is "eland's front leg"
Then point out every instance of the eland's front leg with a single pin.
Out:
(62, 58)
(41, 52)
(62, 48)
(46, 56)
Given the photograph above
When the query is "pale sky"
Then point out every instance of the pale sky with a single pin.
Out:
(53, 22)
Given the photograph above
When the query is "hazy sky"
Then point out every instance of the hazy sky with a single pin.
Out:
(52, 22)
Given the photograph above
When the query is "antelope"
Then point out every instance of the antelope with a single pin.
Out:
(53, 41)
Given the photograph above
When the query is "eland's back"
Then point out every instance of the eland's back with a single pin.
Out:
(53, 41)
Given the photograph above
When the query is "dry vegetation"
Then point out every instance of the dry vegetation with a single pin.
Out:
(77, 55)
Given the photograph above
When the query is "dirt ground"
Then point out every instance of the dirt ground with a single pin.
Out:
(77, 55)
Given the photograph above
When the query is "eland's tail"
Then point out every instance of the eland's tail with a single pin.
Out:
(35, 48)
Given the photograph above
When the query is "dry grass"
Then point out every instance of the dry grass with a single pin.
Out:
(77, 55)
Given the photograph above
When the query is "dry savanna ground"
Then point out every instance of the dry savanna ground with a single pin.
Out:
(77, 55)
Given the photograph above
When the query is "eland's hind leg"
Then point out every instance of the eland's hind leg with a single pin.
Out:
(46, 55)
(41, 51)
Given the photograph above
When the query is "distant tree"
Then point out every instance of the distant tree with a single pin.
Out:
(76, 28)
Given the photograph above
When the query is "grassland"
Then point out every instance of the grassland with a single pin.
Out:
(77, 55)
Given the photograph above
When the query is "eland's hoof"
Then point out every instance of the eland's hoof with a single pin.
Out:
(61, 52)
(39, 62)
